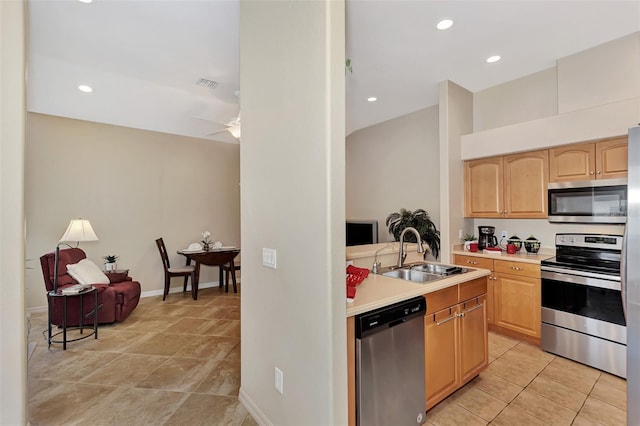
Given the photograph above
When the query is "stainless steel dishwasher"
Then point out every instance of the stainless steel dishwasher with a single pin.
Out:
(390, 365)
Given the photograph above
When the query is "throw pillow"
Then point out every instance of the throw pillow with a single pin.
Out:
(87, 272)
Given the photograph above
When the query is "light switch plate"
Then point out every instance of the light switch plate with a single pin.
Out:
(269, 257)
(279, 380)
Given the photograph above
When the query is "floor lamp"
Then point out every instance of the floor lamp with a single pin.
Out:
(78, 230)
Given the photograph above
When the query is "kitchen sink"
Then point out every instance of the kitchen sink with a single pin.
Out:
(423, 272)
(433, 268)
(412, 275)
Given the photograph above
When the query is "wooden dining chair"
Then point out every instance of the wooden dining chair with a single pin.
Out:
(169, 272)
(227, 269)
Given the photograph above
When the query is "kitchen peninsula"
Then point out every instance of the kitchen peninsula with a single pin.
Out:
(455, 323)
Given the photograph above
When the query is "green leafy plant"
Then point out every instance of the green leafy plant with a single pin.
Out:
(419, 219)
(347, 65)
(469, 237)
(110, 258)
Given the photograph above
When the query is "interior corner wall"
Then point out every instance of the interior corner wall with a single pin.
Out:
(456, 119)
(13, 330)
(523, 99)
(292, 169)
(394, 165)
(601, 75)
(134, 186)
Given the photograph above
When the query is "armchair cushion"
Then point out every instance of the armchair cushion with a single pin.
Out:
(87, 272)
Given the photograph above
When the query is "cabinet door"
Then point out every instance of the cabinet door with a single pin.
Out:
(484, 263)
(441, 361)
(517, 303)
(526, 177)
(611, 158)
(484, 196)
(474, 345)
(572, 162)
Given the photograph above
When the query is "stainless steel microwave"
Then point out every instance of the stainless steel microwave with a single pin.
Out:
(593, 201)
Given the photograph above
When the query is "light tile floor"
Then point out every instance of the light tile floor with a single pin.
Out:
(170, 363)
(524, 385)
(178, 363)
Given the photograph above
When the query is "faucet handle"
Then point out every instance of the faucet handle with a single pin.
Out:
(376, 267)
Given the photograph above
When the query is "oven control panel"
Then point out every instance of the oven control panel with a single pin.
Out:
(612, 242)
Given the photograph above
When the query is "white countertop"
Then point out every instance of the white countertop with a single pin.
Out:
(377, 291)
(521, 256)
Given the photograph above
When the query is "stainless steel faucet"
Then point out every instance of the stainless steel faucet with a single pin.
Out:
(402, 255)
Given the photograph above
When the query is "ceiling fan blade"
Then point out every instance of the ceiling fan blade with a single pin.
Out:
(217, 131)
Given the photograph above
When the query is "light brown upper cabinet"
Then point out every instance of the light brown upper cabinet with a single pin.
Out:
(511, 186)
(605, 159)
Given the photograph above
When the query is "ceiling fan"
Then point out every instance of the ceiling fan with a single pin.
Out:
(232, 127)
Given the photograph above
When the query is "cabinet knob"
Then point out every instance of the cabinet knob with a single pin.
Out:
(472, 262)
(590, 173)
(598, 172)
(515, 268)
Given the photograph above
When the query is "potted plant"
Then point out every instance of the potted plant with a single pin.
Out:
(110, 262)
(419, 219)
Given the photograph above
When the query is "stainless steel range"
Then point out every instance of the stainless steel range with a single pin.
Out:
(582, 314)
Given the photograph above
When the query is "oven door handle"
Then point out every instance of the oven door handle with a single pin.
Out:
(623, 275)
(560, 275)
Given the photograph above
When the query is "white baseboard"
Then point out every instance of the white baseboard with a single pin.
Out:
(253, 409)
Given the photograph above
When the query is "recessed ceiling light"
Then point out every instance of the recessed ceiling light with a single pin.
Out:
(84, 88)
(85, 1)
(444, 24)
(372, 99)
(494, 58)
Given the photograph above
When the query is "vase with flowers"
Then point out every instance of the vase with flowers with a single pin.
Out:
(207, 244)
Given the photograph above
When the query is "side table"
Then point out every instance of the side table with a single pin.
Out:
(51, 295)
(118, 271)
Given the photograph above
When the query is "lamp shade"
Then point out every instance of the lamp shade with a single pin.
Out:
(79, 230)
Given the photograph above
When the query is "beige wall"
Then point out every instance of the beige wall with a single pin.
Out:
(292, 168)
(527, 98)
(394, 165)
(134, 186)
(600, 75)
(456, 119)
(598, 96)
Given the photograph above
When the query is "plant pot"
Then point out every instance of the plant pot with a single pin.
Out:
(110, 267)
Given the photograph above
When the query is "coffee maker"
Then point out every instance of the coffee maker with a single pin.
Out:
(486, 237)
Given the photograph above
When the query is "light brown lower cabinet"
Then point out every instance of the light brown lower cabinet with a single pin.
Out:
(456, 342)
(456, 347)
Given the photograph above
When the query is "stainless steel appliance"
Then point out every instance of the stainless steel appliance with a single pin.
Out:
(593, 201)
(631, 279)
(390, 365)
(486, 237)
(582, 312)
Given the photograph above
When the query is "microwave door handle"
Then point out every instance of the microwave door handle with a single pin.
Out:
(623, 274)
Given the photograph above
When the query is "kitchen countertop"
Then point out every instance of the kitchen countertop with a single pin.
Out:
(377, 291)
(522, 256)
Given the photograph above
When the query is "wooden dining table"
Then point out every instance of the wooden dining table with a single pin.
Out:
(213, 257)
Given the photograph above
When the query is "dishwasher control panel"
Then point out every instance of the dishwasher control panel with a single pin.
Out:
(390, 316)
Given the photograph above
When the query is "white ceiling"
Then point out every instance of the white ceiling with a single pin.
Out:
(143, 58)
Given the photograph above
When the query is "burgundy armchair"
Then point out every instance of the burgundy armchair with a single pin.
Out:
(117, 299)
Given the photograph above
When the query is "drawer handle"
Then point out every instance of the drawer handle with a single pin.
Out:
(446, 320)
(471, 310)
(515, 268)
(472, 262)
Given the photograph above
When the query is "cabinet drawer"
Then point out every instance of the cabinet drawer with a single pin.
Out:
(472, 289)
(441, 299)
(473, 261)
(517, 268)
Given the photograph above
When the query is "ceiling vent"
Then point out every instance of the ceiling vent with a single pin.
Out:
(205, 82)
